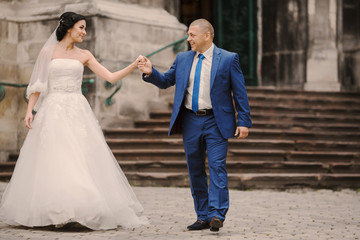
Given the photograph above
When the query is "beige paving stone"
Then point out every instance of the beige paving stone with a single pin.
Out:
(261, 214)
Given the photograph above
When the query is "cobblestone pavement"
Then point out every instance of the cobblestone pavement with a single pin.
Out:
(261, 214)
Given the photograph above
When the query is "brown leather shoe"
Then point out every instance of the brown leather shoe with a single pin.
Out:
(198, 225)
(215, 224)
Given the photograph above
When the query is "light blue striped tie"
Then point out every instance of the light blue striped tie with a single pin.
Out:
(195, 96)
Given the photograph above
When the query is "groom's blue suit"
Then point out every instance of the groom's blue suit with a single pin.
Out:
(207, 133)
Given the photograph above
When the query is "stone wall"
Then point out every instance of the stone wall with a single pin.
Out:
(310, 44)
(284, 42)
(349, 44)
(117, 32)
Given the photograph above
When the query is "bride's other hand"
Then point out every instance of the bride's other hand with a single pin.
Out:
(28, 120)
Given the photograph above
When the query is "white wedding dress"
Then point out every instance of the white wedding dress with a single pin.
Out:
(65, 171)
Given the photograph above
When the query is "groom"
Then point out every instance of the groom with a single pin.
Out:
(208, 81)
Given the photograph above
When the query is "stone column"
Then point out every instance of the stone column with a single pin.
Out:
(322, 55)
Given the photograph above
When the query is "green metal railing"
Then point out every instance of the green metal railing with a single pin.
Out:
(84, 88)
(3, 92)
(177, 47)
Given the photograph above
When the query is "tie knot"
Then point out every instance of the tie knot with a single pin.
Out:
(201, 56)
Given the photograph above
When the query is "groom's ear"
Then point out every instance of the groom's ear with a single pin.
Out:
(208, 36)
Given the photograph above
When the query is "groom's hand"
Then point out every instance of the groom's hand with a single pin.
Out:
(145, 66)
(241, 132)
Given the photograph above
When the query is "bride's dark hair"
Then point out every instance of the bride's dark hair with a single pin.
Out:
(67, 21)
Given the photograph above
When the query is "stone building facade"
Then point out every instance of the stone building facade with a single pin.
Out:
(301, 44)
(311, 45)
(117, 32)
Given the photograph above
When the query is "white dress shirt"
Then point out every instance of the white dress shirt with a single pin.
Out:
(204, 88)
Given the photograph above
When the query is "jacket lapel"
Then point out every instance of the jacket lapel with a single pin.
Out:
(187, 68)
(215, 64)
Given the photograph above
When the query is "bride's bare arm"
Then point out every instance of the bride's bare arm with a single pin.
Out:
(104, 73)
(29, 116)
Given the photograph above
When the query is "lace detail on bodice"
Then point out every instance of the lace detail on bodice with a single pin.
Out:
(65, 75)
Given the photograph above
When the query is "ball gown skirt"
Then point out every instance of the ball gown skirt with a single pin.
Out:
(65, 171)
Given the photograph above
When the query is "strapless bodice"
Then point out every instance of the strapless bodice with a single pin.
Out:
(65, 75)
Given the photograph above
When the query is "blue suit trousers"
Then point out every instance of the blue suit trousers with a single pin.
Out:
(201, 134)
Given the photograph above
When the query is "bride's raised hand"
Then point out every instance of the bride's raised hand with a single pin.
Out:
(137, 61)
(28, 120)
(140, 58)
(145, 66)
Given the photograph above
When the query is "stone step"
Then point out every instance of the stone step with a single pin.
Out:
(146, 143)
(277, 134)
(305, 118)
(13, 157)
(283, 118)
(245, 181)
(270, 108)
(137, 133)
(163, 123)
(292, 180)
(296, 145)
(296, 94)
(243, 166)
(303, 135)
(330, 146)
(5, 176)
(308, 101)
(160, 115)
(323, 156)
(232, 166)
(295, 156)
(299, 146)
(311, 104)
(177, 143)
(240, 155)
(7, 166)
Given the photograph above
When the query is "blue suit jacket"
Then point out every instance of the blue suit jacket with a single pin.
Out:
(226, 78)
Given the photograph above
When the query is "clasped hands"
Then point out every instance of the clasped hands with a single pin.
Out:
(144, 65)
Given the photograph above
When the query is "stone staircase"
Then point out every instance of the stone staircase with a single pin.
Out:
(298, 139)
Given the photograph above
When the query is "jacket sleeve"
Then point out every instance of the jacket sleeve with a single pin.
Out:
(162, 80)
(239, 93)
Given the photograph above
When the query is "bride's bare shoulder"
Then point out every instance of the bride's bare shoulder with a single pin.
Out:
(85, 54)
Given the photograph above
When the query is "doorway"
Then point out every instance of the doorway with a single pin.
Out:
(235, 23)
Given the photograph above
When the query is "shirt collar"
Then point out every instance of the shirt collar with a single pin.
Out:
(208, 53)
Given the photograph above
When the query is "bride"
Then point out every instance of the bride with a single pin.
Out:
(65, 171)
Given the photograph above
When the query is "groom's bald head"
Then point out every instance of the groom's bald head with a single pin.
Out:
(204, 25)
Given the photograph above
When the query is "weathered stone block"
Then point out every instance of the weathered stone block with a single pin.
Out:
(3, 30)
(8, 51)
(269, 73)
(292, 69)
(36, 31)
(8, 134)
(24, 72)
(356, 70)
(13, 32)
(8, 72)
